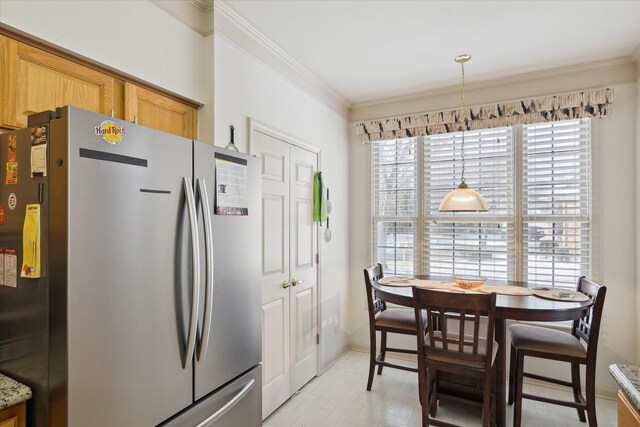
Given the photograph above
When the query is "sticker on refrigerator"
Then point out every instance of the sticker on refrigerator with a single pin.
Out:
(12, 201)
(1, 266)
(3, 215)
(39, 135)
(110, 132)
(39, 151)
(31, 243)
(231, 185)
(10, 268)
(12, 173)
(11, 155)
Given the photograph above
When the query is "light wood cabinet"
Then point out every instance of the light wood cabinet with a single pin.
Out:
(628, 415)
(34, 79)
(14, 416)
(153, 110)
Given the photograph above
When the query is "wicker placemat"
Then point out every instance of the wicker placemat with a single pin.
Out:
(396, 281)
(506, 290)
(560, 294)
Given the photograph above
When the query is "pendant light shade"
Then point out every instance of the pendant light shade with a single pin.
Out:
(463, 199)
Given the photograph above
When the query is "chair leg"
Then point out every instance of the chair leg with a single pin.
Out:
(383, 349)
(433, 394)
(591, 395)
(577, 391)
(512, 374)
(372, 359)
(517, 410)
(486, 400)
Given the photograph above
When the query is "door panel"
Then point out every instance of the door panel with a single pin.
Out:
(275, 326)
(123, 272)
(159, 112)
(37, 81)
(235, 339)
(303, 269)
(289, 270)
(273, 224)
(275, 174)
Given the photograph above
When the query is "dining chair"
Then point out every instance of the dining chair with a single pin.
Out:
(461, 351)
(546, 343)
(385, 320)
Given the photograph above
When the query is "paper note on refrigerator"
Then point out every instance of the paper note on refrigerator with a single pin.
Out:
(31, 243)
(11, 268)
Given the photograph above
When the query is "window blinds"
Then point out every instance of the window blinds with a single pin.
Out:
(470, 243)
(394, 199)
(556, 202)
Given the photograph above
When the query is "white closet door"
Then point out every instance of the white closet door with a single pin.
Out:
(289, 269)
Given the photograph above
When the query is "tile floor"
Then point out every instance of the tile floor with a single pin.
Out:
(338, 398)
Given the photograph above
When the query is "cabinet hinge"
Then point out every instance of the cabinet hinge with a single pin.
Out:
(317, 258)
(317, 338)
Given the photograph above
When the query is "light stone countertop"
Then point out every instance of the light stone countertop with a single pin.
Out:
(628, 376)
(12, 392)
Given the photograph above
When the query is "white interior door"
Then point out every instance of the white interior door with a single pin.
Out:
(289, 268)
(303, 235)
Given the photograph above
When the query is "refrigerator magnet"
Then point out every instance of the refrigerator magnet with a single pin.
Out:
(12, 173)
(12, 201)
(3, 214)
(1, 266)
(31, 243)
(38, 160)
(110, 132)
(11, 156)
(11, 268)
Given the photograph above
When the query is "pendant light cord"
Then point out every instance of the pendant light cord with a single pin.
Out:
(464, 120)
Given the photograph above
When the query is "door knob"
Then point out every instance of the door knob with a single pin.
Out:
(295, 281)
(285, 284)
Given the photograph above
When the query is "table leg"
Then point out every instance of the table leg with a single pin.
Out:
(501, 360)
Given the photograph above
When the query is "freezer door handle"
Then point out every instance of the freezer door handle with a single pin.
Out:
(195, 263)
(201, 188)
(230, 404)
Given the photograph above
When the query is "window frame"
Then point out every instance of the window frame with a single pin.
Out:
(515, 261)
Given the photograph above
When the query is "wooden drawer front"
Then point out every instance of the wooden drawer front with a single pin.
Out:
(37, 80)
(627, 414)
(159, 112)
(14, 416)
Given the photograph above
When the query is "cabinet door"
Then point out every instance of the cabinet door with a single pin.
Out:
(33, 80)
(159, 112)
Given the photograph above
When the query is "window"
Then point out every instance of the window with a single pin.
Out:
(536, 180)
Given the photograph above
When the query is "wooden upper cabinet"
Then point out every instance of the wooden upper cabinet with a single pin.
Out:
(34, 80)
(153, 110)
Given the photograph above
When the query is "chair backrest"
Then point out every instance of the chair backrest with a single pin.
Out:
(587, 327)
(460, 345)
(374, 304)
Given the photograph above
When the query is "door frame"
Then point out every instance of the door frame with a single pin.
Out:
(255, 125)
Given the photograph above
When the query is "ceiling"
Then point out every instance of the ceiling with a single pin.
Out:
(369, 51)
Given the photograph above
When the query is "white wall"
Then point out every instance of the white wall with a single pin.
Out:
(134, 37)
(245, 88)
(615, 218)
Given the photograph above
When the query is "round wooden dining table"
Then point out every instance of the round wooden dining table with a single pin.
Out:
(508, 307)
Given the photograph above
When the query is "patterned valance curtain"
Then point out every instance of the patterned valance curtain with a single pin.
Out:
(592, 103)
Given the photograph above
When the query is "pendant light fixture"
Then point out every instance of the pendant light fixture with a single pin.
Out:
(463, 199)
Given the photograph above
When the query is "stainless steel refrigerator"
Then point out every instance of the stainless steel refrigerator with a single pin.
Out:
(146, 307)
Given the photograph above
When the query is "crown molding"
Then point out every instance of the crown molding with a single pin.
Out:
(237, 30)
(533, 84)
(195, 14)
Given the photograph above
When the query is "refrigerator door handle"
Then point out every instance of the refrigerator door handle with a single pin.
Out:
(195, 295)
(201, 188)
(230, 404)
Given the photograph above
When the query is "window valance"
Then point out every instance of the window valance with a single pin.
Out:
(591, 103)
